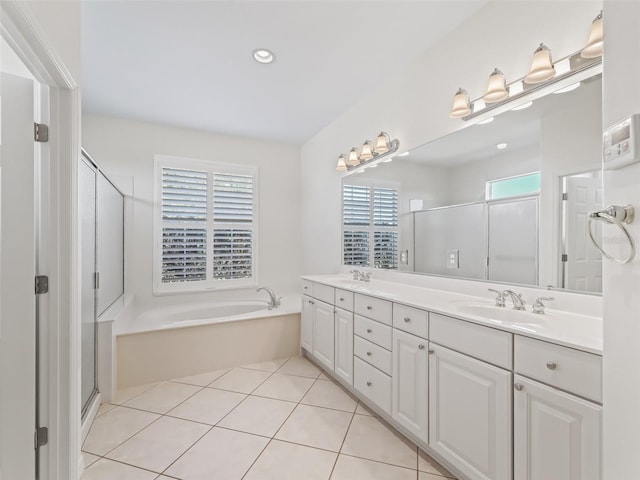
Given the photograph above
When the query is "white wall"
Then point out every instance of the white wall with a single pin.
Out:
(621, 282)
(126, 149)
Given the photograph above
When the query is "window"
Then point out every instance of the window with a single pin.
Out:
(513, 186)
(370, 226)
(206, 231)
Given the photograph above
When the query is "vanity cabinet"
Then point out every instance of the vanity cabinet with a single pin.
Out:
(323, 333)
(344, 344)
(409, 383)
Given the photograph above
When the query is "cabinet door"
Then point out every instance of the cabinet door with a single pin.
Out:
(323, 333)
(306, 324)
(344, 345)
(556, 435)
(470, 414)
(409, 392)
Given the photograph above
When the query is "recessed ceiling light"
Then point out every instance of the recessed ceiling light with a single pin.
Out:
(262, 55)
(570, 88)
(501, 146)
(485, 121)
(523, 106)
(403, 154)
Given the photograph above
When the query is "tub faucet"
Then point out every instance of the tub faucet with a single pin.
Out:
(275, 301)
(516, 298)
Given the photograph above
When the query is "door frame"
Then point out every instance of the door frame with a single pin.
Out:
(60, 348)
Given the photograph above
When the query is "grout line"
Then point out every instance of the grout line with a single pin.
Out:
(346, 433)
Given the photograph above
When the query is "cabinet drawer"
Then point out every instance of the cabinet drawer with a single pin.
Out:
(323, 292)
(411, 320)
(373, 354)
(373, 331)
(372, 307)
(566, 368)
(488, 344)
(344, 299)
(373, 384)
(307, 288)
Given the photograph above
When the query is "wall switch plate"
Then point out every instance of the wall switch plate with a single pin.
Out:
(453, 258)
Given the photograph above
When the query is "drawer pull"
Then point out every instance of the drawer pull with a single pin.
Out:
(306, 288)
(369, 354)
(369, 330)
(421, 347)
(518, 386)
(311, 302)
(431, 351)
(342, 299)
(369, 384)
(407, 319)
(369, 307)
(552, 365)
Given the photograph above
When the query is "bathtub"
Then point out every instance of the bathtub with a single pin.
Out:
(172, 342)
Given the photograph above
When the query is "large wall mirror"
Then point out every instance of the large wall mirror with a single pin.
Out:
(504, 201)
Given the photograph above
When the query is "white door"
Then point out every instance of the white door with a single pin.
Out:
(17, 262)
(323, 333)
(583, 268)
(556, 435)
(470, 414)
(409, 403)
(344, 345)
(306, 324)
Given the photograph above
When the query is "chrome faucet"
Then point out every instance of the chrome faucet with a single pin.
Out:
(516, 298)
(358, 275)
(499, 297)
(275, 301)
(538, 306)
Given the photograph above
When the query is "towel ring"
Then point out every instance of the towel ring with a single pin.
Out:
(610, 215)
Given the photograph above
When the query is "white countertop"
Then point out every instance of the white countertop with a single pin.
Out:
(570, 329)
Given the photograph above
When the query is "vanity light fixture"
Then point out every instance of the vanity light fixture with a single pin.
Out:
(497, 89)
(369, 156)
(541, 66)
(595, 45)
(570, 88)
(262, 55)
(461, 104)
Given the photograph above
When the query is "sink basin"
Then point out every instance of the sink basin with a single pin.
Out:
(501, 314)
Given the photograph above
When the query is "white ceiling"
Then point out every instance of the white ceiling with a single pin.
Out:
(189, 63)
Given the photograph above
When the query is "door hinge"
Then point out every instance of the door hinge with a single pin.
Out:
(487, 261)
(565, 196)
(40, 437)
(42, 284)
(96, 280)
(40, 132)
(565, 257)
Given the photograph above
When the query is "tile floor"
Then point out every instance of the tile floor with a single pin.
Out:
(277, 420)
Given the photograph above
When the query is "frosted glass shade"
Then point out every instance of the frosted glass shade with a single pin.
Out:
(353, 157)
(497, 89)
(342, 164)
(461, 106)
(595, 45)
(367, 151)
(382, 143)
(541, 66)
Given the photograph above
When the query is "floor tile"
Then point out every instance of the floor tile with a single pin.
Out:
(240, 380)
(160, 444)
(350, 468)
(163, 397)
(126, 394)
(430, 476)
(429, 465)
(369, 438)
(316, 427)
(286, 461)
(284, 387)
(208, 405)
(105, 469)
(325, 393)
(89, 459)
(262, 416)
(269, 366)
(114, 427)
(324, 376)
(301, 367)
(202, 379)
(220, 454)
(104, 408)
(362, 409)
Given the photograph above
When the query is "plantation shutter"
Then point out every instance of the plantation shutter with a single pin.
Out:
(385, 221)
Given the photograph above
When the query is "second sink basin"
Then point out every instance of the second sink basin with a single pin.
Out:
(502, 314)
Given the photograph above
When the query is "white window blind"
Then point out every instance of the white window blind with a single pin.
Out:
(206, 230)
(370, 226)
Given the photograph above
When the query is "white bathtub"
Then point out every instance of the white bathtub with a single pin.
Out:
(171, 342)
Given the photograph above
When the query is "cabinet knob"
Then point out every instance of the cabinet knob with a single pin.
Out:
(421, 347)
(306, 288)
(407, 319)
(369, 307)
(341, 299)
(368, 330)
(518, 386)
(369, 354)
(552, 365)
(369, 384)
(311, 302)
(431, 351)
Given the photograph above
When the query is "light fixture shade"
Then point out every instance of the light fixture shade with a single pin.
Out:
(541, 66)
(461, 106)
(497, 89)
(353, 157)
(382, 143)
(342, 164)
(595, 45)
(367, 151)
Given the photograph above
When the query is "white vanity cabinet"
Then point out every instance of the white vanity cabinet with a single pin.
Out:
(409, 383)
(344, 344)
(323, 334)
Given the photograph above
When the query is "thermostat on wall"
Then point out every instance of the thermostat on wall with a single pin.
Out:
(621, 143)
